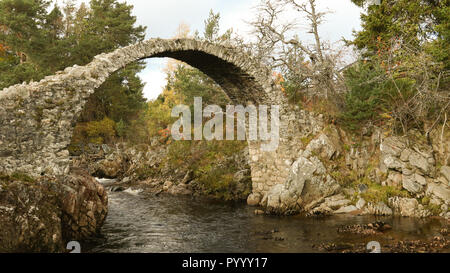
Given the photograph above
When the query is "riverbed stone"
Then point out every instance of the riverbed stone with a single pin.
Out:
(167, 185)
(180, 189)
(254, 199)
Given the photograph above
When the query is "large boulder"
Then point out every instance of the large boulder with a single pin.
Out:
(254, 199)
(408, 207)
(84, 205)
(110, 167)
(43, 215)
(29, 217)
(335, 204)
(308, 182)
(326, 146)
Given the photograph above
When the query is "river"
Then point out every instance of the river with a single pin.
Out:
(144, 223)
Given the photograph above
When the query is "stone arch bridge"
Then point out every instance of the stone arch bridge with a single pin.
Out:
(37, 119)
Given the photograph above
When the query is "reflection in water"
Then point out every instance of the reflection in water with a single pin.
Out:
(143, 223)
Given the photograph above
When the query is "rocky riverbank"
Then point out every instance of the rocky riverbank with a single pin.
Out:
(376, 174)
(42, 215)
(147, 168)
(333, 174)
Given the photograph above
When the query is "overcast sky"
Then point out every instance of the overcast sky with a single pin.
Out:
(162, 19)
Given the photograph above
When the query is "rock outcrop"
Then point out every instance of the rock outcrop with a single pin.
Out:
(412, 167)
(43, 215)
(110, 167)
(84, 205)
(406, 166)
(309, 182)
(409, 207)
(30, 217)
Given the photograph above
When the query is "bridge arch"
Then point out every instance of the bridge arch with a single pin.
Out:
(37, 119)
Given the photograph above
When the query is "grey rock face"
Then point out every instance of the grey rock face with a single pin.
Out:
(84, 205)
(445, 171)
(308, 182)
(392, 146)
(379, 208)
(411, 184)
(361, 203)
(442, 192)
(413, 167)
(409, 207)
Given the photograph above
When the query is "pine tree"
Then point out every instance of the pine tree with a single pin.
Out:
(39, 39)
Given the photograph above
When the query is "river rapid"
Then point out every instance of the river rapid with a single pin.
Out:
(144, 223)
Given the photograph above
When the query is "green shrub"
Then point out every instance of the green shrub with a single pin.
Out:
(102, 131)
(373, 95)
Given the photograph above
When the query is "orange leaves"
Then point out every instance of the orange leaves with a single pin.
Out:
(164, 132)
(279, 79)
(164, 135)
(3, 49)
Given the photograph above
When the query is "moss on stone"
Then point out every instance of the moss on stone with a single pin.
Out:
(377, 192)
(306, 140)
(434, 209)
(16, 177)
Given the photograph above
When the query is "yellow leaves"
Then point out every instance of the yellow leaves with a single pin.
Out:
(3, 48)
(386, 116)
(279, 79)
(97, 132)
(388, 124)
(101, 130)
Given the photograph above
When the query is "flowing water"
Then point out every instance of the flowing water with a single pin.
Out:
(143, 223)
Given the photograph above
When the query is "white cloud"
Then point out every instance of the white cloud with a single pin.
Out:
(154, 77)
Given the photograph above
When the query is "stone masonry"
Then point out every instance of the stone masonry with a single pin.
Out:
(37, 118)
